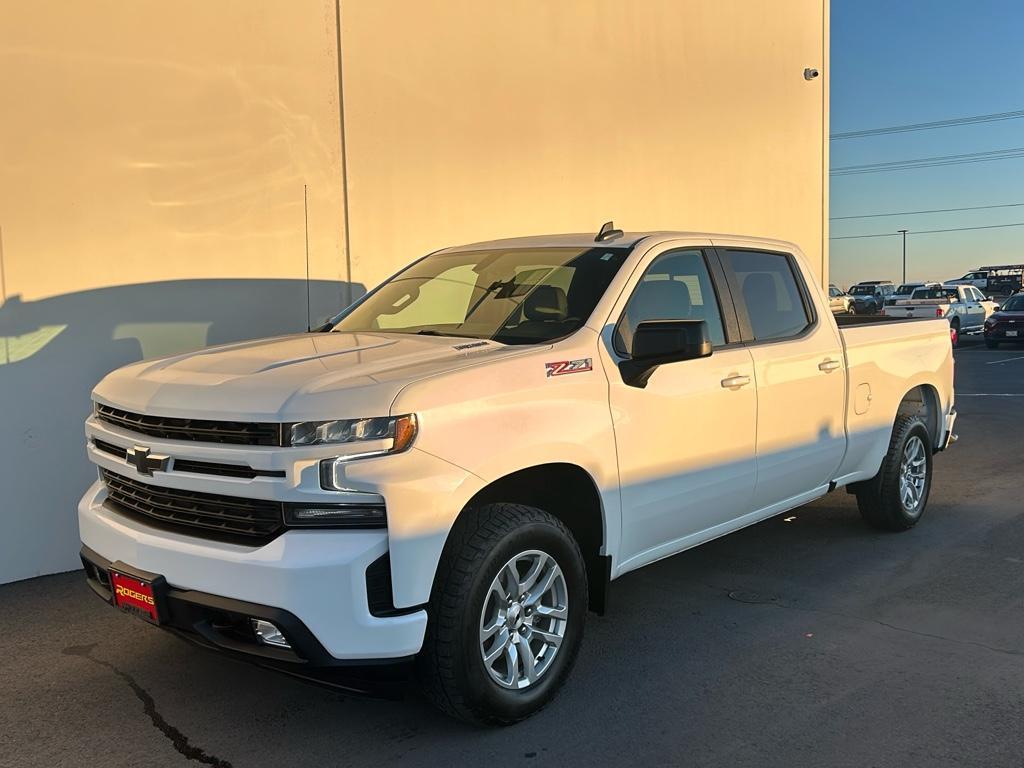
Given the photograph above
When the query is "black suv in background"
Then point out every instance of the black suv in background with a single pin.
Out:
(1006, 324)
(869, 296)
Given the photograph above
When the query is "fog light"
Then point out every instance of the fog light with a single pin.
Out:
(268, 634)
(349, 516)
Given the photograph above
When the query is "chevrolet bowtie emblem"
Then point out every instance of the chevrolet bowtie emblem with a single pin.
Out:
(145, 462)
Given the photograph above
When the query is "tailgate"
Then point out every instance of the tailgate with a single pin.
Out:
(918, 308)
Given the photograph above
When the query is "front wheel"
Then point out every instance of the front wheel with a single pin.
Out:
(895, 498)
(506, 615)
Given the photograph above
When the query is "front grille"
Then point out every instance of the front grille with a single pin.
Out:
(209, 515)
(197, 467)
(197, 430)
(222, 470)
(113, 450)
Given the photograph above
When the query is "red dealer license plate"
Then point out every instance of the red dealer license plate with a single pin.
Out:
(134, 596)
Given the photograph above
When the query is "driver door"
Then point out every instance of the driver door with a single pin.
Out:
(686, 440)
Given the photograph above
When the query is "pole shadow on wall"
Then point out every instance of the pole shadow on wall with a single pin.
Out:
(53, 351)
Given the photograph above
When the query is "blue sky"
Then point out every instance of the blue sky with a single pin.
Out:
(914, 61)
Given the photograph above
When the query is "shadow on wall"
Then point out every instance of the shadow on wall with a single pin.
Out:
(52, 353)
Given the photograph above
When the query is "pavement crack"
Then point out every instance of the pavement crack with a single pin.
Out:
(178, 739)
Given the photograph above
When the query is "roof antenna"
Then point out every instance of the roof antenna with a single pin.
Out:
(305, 214)
(608, 232)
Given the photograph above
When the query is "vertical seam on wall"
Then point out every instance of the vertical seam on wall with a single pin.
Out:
(3, 299)
(3, 279)
(344, 157)
(825, 178)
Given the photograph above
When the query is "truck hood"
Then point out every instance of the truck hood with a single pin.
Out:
(292, 378)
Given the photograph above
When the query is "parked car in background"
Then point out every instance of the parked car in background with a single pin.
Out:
(869, 296)
(905, 290)
(964, 306)
(1006, 324)
(839, 301)
(1003, 280)
(978, 278)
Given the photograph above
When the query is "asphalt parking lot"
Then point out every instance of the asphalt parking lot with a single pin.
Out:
(810, 641)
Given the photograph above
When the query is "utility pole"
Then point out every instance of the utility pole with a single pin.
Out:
(904, 233)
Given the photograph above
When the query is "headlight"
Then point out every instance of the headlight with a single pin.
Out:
(399, 430)
(362, 438)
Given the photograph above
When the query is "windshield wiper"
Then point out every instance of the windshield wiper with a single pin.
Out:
(432, 332)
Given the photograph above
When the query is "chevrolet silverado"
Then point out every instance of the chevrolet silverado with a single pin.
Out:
(447, 475)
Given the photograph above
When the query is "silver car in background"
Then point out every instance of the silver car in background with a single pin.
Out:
(839, 301)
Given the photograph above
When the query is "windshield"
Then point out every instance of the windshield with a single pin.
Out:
(517, 296)
(863, 290)
(936, 292)
(1014, 304)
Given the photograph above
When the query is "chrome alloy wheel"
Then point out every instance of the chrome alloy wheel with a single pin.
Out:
(523, 620)
(913, 474)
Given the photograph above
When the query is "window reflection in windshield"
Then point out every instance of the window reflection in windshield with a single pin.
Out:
(515, 296)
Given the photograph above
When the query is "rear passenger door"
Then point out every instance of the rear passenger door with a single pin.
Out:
(799, 372)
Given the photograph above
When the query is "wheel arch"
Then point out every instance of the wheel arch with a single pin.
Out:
(570, 493)
(923, 401)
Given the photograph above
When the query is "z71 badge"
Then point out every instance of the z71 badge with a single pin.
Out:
(563, 367)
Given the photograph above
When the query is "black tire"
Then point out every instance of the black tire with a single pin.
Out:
(450, 666)
(879, 499)
(990, 344)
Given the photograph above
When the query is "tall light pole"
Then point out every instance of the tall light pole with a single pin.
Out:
(904, 233)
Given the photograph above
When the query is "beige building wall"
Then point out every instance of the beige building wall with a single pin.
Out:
(153, 159)
(472, 120)
(165, 167)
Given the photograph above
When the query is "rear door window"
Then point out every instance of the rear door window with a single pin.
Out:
(770, 293)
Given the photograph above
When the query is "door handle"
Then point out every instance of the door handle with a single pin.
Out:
(735, 382)
(828, 365)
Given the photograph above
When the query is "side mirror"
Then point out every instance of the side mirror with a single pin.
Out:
(659, 342)
(996, 308)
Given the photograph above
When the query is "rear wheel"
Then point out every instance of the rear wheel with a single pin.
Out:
(895, 498)
(505, 616)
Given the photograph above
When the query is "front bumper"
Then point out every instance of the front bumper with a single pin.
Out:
(318, 577)
(1000, 332)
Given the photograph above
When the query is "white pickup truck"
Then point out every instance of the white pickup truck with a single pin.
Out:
(964, 307)
(451, 471)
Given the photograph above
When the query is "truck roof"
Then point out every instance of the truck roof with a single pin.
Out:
(627, 239)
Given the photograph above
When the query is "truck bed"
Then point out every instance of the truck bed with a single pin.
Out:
(886, 357)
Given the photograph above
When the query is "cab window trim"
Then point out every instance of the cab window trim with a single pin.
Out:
(746, 329)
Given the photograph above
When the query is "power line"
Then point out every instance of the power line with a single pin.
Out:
(927, 231)
(930, 162)
(933, 210)
(995, 116)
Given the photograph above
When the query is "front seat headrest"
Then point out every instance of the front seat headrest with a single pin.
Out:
(546, 302)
